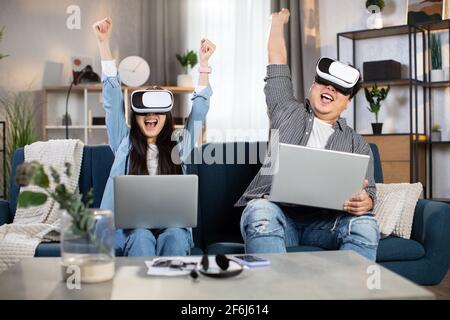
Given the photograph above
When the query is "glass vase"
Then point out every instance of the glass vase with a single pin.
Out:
(91, 252)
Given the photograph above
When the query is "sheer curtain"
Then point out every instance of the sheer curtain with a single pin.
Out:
(239, 29)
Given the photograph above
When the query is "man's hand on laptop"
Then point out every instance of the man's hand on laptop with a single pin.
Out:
(361, 203)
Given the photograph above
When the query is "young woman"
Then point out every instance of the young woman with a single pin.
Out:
(146, 148)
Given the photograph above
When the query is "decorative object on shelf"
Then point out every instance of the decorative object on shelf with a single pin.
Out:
(19, 113)
(187, 60)
(52, 73)
(1, 37)
(134, 71)
(86, 75)
(374, 96)
(374, 7)
(82, 65)
(66, 120)
(98, 121)
(436, 133)
(425, 11)
(383, 70)
(437, 73)
(87, 235)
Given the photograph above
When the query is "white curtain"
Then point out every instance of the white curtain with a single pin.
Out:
(239, 29)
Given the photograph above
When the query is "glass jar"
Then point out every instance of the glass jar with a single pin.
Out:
(89, 252)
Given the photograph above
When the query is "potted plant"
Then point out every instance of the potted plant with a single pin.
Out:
(1, 37)
(19, 112)
(436, 132)
(437, 73)
(187, 60)
(87, 235)
(374, 7)
(374, 96)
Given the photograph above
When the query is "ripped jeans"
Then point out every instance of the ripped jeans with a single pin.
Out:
(270, 228)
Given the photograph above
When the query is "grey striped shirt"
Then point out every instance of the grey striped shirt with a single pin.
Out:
(294, 122)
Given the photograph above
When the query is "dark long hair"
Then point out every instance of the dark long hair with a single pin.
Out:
(139, 146)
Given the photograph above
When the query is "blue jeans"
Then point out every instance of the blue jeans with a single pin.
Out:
(269, 228)
(154, 242)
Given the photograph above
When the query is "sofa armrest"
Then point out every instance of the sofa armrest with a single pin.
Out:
(4, 212)
(431, 228)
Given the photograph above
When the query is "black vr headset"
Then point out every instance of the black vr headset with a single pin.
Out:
(151, 101)
(341, 76)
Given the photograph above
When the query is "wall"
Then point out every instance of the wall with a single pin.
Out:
(395, 110)
(36, 33)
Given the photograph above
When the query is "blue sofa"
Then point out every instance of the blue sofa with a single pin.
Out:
(424, 259)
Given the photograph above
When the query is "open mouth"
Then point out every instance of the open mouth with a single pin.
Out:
(326, 98)
(151, 123)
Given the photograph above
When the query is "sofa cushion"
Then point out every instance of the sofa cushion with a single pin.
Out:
(399, 249)
(394, 208)
(389, 249)
(48, 249)
(95, 167)
(101, 161)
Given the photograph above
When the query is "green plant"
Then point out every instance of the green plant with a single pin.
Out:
(436, 128)
(189, 59)
(1, 37)
(379, 3)
(19, 109)
(33, 173)
(436, 53)
(374, 96)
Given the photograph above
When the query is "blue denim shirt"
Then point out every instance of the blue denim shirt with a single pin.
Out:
(118, 130)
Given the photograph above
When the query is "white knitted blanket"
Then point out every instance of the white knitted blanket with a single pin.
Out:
(31, 226)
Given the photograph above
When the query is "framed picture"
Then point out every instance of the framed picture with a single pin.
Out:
(426, 10)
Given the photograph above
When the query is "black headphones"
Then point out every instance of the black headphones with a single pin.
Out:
(223, 262)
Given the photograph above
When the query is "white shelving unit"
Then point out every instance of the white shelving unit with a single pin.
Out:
(85, 102)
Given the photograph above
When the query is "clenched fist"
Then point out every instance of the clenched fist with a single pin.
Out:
(207, 48)
(102, 29)
(281, 17)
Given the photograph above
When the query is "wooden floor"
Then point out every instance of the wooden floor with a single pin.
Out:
(442, 291)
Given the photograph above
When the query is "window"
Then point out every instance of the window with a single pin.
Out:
(240, 30)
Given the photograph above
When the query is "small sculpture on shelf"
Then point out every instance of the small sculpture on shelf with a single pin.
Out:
(436, 133)
(66, 120)
(374, 7)
(374, 96)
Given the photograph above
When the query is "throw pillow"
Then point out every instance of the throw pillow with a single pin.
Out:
(394, 208)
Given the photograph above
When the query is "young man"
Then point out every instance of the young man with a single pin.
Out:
(269, 227)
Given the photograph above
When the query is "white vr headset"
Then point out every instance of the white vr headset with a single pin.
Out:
(337, 74)
(151, 101)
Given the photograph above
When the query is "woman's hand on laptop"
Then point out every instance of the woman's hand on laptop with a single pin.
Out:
(361, 203)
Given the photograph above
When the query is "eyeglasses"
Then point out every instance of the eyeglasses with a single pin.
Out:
(173, 263)
(205, 269)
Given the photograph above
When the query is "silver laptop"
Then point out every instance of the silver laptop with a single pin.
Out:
(317, 177)
(160, 201)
